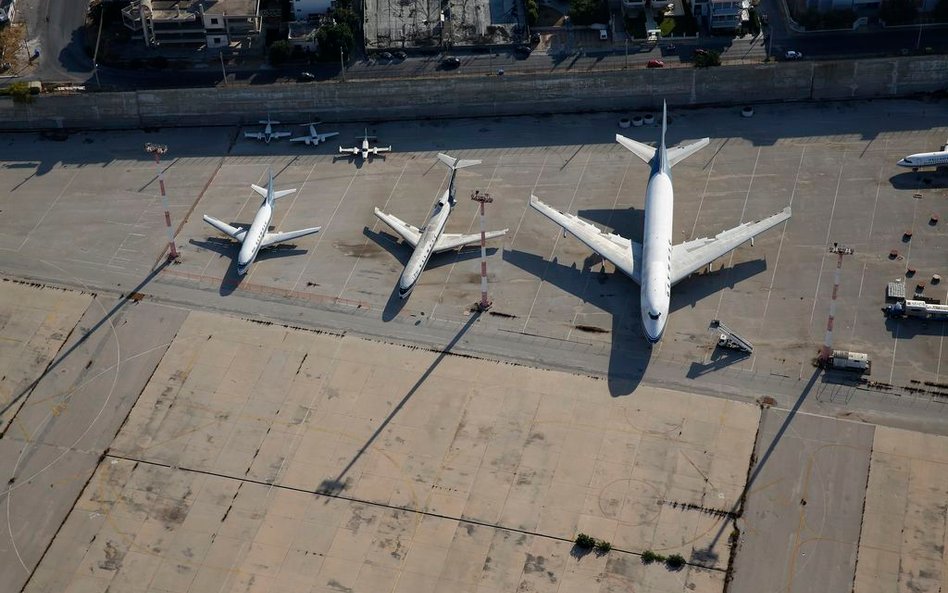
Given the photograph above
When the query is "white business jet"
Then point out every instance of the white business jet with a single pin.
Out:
(365, 150)
(314, 138)
(925, 159)
(267, 134)
(431, 239)
(256, 237)
(655, 264)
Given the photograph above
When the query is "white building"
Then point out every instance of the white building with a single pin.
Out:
(304, 9)
(193, 22)
(7, 11)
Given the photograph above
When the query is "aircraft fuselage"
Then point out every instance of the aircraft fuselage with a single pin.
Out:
(254, 237)
(925, 159)
(656, 254)
(425, 247)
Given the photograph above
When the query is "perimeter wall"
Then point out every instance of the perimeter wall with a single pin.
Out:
(511, 94)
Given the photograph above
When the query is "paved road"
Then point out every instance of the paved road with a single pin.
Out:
(54, 27)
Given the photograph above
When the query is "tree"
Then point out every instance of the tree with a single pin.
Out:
(940, 14)
(533, 12)
(898, 12)
(280, 52)
(332, 38)
(587, 12)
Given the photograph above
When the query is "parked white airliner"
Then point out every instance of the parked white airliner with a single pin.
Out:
(925, 159)
(267, 134)
(256, 237)
(314, 137)
(655, 264)
(430, 239)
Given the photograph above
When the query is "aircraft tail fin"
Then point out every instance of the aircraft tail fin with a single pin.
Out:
(455, 164)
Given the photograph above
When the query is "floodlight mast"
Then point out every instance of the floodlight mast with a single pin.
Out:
(826, 353)
(483, 198)
(157, 150)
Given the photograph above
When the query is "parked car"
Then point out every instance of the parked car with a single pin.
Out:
(306, 77)
(401, 55)
(792, 55)
(603, 35)
(450, 63)
(386, 56)
(655, 64)
(522, 51)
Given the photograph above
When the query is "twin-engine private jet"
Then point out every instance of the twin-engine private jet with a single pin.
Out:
(267, 134)
(314, 138)
(364, 150)
(257, 237)
(655, 264)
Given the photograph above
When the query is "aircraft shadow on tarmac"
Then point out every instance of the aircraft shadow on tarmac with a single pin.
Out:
(227, 248)
(614, 293)
(919, 180)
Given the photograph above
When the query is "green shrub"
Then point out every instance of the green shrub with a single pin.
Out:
(20, 92)
(675, 561)
(279, 52)
(585, 541)
(707, 59)
(603, 547)
(649, 557)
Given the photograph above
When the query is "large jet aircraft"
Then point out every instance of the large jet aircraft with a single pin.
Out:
(256, 237)
(267, 134)
(655, 264)
(364, 150)
(314, 137)
(926, 159)
(430, 238)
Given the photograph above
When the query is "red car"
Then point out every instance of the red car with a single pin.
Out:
(655, 64)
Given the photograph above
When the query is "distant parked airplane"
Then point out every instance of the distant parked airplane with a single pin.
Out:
(365, 150)
(313, 138)
(925, 159)
(256, 237)
(430, 239)
(655, 264)
(267, 134)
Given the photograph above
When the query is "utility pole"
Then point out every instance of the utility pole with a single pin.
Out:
(826, 353)
(484, 198)
(157, 150)
(223, 70)
(343, 64)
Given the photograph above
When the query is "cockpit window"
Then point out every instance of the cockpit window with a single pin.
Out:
(654, 316)
(909, 161)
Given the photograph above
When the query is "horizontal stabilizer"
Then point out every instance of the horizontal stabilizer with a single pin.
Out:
(643, 151)
(260, 190)
(456, 164)
(283, 193)
(680, 153)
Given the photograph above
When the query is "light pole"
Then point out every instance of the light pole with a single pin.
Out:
(223, 70)
(157, 150)
(343, 64)
(484, 198)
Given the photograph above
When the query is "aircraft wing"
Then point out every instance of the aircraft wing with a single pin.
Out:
(326, 136)
(279, 134)
(623, 253)
(254, 135)
(274, 238)
(233, 232)
(693, 255)
(354, 150)
(306, 139)
(409, 233)
(448, 241)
